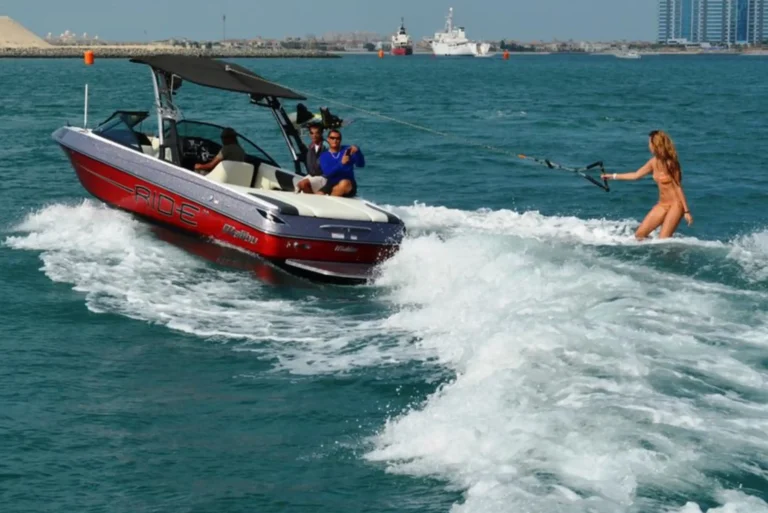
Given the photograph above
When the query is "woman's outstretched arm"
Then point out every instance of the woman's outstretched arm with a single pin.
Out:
(646, 169)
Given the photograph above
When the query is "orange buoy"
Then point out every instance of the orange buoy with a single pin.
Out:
(506, 55)
(381, 53)
(88, 57)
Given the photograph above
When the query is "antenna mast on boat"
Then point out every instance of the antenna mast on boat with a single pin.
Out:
(449, 20)
(223, 27)
(85, 108)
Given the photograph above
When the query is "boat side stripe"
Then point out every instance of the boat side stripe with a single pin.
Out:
(108, 180)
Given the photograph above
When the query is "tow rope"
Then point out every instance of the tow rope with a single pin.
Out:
(581, 171)
(578, 170)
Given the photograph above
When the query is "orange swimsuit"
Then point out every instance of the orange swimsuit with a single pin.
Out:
(667, 195)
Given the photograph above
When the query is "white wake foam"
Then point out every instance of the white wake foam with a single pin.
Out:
(582, 383)
(751, 253)
(121, 267)
(533, 225)
(731, 501)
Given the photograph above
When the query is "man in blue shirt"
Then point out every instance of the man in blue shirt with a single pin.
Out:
(338, 165)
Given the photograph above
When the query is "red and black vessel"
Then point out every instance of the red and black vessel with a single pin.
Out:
(401, 41)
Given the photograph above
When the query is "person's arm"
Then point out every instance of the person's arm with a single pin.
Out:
(681, 197)
(357, 157)
(646, 169)
(209, 165)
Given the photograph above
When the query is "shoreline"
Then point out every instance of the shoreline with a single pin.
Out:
(126, 51)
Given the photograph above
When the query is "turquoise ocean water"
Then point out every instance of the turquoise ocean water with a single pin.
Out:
(522, 353)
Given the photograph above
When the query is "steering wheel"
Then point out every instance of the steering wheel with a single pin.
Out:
(200, 149)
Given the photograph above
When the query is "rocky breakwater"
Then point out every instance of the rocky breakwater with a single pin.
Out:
(126, 51)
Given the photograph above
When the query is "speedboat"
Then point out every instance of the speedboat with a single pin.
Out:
(249, 204)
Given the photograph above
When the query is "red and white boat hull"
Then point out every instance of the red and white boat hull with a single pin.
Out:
(346, 250)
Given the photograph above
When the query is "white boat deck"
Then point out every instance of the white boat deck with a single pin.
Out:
(238, 176)
(312, 205)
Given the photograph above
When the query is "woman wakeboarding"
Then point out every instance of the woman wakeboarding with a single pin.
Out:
(665, 166)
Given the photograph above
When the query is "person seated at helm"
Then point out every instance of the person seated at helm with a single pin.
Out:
(230, 150)
(338, 165)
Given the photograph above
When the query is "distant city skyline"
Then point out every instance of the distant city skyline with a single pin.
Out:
(524, 20)
(713, 21)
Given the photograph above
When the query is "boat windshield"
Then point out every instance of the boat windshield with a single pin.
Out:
(119, 128)
(130, 117)
(196, 133)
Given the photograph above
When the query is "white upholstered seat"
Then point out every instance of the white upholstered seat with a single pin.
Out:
(232, 172)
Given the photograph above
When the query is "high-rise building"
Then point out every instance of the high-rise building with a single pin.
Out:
(666, 21)
(681, 20)
(715, 26)
(713, 21)
(758, 22)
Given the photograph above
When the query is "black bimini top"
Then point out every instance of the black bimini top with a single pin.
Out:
(218, 74)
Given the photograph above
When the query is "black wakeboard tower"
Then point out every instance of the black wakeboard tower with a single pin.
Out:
(169, 72)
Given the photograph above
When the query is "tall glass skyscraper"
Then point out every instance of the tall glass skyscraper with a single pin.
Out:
(742, 20)
(686, 19)
(713, 21)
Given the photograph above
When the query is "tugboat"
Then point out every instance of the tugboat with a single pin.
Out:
(401, 41)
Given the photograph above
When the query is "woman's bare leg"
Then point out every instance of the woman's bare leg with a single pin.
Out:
(652, 221)
(671, 221)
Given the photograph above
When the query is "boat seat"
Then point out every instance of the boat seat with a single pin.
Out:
(275, 179)
(154, 149)
(150, 150)
(233, 172)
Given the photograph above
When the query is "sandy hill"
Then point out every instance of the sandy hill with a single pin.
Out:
(14, 35)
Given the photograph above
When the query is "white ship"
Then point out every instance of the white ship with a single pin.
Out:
(452, 41)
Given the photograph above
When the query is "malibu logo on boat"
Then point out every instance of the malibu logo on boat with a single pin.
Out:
(239, 234)
(346, 249)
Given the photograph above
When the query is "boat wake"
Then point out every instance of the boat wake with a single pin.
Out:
(582, 383)
(583, 379)
(130, 268)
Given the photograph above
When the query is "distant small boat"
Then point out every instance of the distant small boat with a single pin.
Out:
(627, 54)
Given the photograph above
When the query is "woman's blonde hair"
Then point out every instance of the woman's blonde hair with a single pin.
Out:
(664, 149)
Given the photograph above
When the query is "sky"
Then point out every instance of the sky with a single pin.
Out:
(522, 20)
